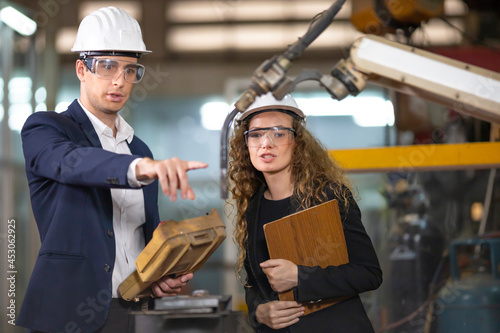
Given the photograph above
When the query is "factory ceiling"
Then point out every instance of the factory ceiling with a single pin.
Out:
(235, 30)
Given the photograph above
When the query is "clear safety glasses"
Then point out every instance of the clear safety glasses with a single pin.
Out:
(278, 136)
(110, 69)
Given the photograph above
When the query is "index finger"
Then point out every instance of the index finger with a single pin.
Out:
(186, 190)
(183, 182)
(270, 263)
(192, 165)
(186, 277)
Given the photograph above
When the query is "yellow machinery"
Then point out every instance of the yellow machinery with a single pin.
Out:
(176, 248)
(385, 16)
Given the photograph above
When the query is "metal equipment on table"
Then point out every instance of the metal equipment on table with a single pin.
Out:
(194, 314)
(470, 302)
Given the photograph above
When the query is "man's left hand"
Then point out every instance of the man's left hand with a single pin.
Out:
(167, 286)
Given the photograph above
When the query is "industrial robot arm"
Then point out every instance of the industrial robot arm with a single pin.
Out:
(465, 88)
(271, 76)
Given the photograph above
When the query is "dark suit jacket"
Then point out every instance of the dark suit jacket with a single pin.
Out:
(361, 274)
(70, 177)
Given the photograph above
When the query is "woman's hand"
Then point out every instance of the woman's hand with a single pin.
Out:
(279, 314)
(281, 274)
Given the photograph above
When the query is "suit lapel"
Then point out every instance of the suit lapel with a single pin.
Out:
(135, 147)
(79, 116)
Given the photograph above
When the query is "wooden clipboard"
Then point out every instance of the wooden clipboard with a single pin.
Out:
(312, 237)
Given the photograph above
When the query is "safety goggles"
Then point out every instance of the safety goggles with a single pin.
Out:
(278, 136)
(109, 69)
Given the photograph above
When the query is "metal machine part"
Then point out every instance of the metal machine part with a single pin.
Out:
(184, 304)
(193, 314)
(465, 88)
(471, 300)
(271, 76)
(386, 16)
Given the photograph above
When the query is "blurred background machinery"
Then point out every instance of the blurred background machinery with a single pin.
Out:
(470, 301)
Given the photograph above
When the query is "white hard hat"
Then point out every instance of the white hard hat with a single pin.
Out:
(267, 103)
(109, 30)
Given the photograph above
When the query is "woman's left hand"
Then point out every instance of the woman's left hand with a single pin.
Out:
(281, 274)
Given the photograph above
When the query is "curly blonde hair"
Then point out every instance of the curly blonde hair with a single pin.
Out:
(313, 172)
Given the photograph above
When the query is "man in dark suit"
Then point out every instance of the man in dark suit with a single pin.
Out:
(94, 189)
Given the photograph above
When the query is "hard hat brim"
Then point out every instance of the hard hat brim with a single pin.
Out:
(87, 54)
(111, 51)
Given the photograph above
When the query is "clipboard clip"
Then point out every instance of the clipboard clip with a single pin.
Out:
(313, 302)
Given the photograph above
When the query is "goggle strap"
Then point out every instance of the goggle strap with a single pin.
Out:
(109, 53)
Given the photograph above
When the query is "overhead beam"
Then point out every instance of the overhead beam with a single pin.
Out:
(477, 155)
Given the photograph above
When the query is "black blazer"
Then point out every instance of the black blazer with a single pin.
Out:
(361, 274)
(70, 177)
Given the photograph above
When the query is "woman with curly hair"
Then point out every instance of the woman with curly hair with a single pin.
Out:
(278, 168)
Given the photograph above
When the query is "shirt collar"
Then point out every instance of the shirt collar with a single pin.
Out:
(124, 130)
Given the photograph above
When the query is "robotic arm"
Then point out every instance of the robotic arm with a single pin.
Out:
(271, 76)
(465, 88)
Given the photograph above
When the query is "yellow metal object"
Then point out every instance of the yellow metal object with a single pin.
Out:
(477, 155)
(365, 19)
(380, 16)
(176, 248)
(414, 11)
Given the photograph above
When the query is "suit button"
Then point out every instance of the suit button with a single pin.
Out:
(107, 268)
(113, 180)
(110, 233)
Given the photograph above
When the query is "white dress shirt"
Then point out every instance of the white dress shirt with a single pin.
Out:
(128, 204)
